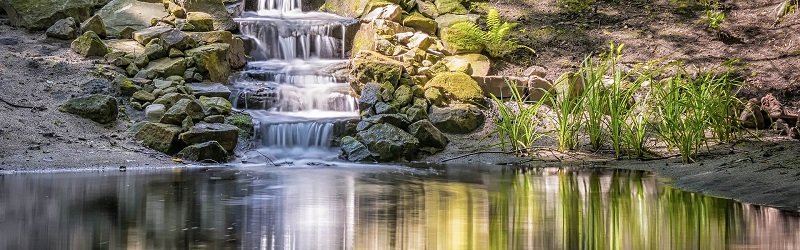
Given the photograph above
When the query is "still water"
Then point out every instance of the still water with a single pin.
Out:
(376, 207)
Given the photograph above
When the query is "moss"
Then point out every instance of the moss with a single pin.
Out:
(463, 37)
(421, 23)
(243, 121)
(457, 86)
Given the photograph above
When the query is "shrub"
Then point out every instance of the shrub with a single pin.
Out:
(496, 38)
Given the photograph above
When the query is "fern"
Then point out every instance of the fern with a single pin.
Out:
(466, 35)
(495, 38)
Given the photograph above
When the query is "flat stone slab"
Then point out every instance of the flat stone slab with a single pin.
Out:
(210, 90)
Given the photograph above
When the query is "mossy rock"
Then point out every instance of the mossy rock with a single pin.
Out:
(243, 121)
(89, 44)
(369, 66)
(41, 14)
(421, 23)
(457, 118)
(161, 137)
(457, 86)
(212, 58)
(450, 7)
(98, 108)
(386, 142)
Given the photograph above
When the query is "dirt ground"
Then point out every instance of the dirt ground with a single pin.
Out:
(38, 74)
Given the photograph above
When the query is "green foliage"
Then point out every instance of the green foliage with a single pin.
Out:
(785, 8)
(496, 41)
(518, 121)
(465, 35)
(568, 105)
(713, 18)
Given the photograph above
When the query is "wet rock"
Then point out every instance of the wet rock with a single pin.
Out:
(122, 17)
(89, 44)
(457, 86)
(354, 150)
(210, 90)
(237, 57)
(430, 138)
(210, 151)
(64, 29)
(751, 116)
(98, 108)
(154, 112)
(772, 106)
(95, 24)
(225, 134)
(181, 110)
(161, 137)
(216, 105)
(212, 58)
(144, 36)
(386, 142)
(458, 118)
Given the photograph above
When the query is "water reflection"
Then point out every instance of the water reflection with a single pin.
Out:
(376, 207)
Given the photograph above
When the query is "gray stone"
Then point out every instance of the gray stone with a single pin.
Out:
(176, 39)
(201, 21)
(210, 151)
(354, 150)
(170, 99)
(210, 90)
(384, 108)
(216, 105)
(89, 44)
(40, 14)
(144, 96)
(221, 19)
(144, 36)
(415, 114)
(98, 108)
(212, 58)
(154, 112)
(397, 120)
(428, 135)
(214, 119)
(226, 135)
(183, 109)
(64, 29)
(237, 57)
(94, 23)
(123, 17)
(155, 51)
(458, 118)
(386, 142)
(167, 67)
(160, 136)
(97, 86)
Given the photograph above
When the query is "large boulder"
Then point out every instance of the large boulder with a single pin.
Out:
(369, 66)
(165, 67)
(182, 109)
(160, 136)
(89, 44)
(203, 152)
(220, 17)
(226, 135)
(237, 56)
(41, 14)
(121, 16)
(201, 21)
(386, 142)
(354, 150)
(430, 138)
(458, 118)
(64, 29)
(212, 58)
(95, 24)
(99, 108)
(457, 86)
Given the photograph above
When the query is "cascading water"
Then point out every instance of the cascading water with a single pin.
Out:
(292, 90)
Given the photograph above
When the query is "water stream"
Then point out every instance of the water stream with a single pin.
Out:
(292, 89)
(377, 207)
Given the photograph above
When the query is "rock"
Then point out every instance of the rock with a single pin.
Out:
(403, 37)
(170, 99)
(144, 36)
(214, 119)
(498, 85)
(370, 95)
(415, 114)
(210, 151)
(369, 66)
(124, 86)
(479, 64)
(160, 136)
(167, 67)
(220, 17)
(772, 106)
(132, 70)
(427, 9)
(212, 58)
(144, 96)
(94, 23)
(154, 112)
(421, 23)
(428, 135)
(201, 21)
(98, 108)
(118, 59)
(435, 97)
(97, 86)
(176, 39)
(64, 29)
(457, 86)
(354, 150)
(535, 70)
(568, 86)
(751, 116)
(538, 87)
(182, 109)
(445, 21)
(210, 90)
(389, 28)
(396, 120)
(154, 51)
(420, 40)
(450, 7)
(384, 108)
(346, 8)
(209, 37)
(781, 127)
(41, 14)
(89, 44)
(402, 96)
(216, 105)
(237, 57)
(225, 134)
(122, 17)
(386, 142)
(458, 65)
(390, 12)
(458, 118)
(173, 53)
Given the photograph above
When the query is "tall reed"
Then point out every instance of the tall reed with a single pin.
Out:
(519, 120)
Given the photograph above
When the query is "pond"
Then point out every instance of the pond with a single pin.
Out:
(343, 206)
